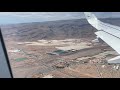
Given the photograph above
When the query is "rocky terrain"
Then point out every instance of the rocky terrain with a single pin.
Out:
(50, 30)
(28, 46)
(78, 28)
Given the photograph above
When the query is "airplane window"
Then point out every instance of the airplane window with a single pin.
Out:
(5, 67)
(59, 45)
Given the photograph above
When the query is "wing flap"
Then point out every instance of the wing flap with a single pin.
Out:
(109, 28)
(111, 40)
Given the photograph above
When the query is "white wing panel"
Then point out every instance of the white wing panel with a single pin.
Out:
(109, 28)
(111, 40)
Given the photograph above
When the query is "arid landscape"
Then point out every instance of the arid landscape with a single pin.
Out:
(59, 49)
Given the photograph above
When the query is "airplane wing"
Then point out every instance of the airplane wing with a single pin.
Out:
(108, 33)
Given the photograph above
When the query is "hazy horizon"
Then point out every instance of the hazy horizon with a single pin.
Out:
(27, 17)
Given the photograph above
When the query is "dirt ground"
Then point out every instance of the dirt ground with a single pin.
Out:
(28, 46)
(30, 59)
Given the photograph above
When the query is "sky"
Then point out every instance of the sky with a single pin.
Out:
(26, 17)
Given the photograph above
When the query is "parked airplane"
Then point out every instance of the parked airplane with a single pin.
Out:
(108, 33)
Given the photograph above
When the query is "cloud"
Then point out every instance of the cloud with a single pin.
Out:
(42, 14)
(24, 17)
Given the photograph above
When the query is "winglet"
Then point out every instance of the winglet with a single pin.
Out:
(90, 15)
(92, 19)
